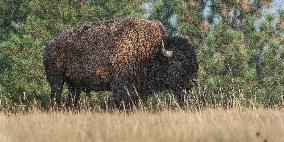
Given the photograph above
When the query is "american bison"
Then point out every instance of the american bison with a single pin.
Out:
(130, 57)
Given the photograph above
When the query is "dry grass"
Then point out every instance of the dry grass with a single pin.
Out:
(212, 125)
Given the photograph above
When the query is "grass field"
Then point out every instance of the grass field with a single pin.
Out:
(209, 125)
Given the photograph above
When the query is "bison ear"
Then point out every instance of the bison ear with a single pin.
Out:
(166, 53)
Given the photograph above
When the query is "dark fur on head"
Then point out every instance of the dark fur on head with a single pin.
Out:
(176, 72)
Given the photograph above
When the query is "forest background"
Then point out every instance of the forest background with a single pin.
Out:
(239, 45)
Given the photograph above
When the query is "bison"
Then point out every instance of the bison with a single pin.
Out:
(130, 57)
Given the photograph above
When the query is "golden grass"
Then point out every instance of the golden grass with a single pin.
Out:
(210, 125)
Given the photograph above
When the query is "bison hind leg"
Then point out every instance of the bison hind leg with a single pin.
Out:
(73, 98)
(55, 96)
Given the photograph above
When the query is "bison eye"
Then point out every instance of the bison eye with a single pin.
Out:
(181, 59)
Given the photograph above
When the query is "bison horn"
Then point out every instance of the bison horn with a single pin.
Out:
(165, 52)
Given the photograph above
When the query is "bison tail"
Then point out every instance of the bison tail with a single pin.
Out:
(53, 60)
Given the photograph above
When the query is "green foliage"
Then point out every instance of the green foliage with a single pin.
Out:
(12, 13)
(25, 72)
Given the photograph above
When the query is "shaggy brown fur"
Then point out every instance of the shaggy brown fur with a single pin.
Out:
(120, 55)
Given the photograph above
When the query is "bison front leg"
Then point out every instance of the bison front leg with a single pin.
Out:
(181, 97)
(125, 96)
(144, 95)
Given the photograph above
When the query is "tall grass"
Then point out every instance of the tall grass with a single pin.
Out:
(198, 98)
(209, 125)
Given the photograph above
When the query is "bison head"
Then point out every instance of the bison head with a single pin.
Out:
(179, 64)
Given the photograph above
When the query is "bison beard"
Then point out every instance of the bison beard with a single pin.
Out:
(125, 56)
